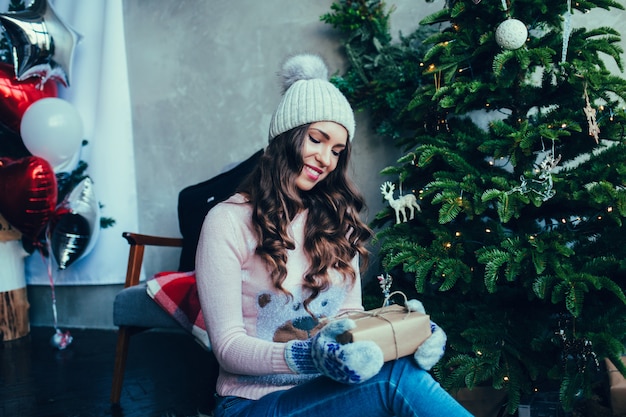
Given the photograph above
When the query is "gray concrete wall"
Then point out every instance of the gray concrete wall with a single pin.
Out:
(203, 87)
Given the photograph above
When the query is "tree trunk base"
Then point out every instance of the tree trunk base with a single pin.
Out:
(14, 321)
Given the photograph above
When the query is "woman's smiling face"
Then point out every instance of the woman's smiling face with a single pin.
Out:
(321, 150)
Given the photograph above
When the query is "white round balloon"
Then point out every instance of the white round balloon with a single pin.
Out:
(511, 34)
(68, 165)
(52, 129)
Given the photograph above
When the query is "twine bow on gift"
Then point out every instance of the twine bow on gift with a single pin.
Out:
(379, 314)
(388, 298)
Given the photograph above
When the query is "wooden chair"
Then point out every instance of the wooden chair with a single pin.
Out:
(133, 310)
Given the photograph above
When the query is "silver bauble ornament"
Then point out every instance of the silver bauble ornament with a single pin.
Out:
(511, 34)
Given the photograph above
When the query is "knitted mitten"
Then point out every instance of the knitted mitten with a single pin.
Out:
(433, 348)
(351, 363)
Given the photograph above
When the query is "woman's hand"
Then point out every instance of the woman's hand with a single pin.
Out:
(351, 363)
(433, 348)
(431, 351)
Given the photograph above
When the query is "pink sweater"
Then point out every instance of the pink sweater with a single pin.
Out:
(248, 320)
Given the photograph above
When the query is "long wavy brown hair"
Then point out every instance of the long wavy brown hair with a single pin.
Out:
(334, 232)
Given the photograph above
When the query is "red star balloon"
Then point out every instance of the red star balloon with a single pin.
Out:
(17, 96)
(42, 44)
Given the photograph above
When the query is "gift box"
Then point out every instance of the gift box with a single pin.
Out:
(396, 330)
(617, 384)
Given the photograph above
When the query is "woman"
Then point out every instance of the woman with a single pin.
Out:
(284, 252)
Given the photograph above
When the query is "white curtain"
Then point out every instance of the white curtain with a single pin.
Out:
(99, 91)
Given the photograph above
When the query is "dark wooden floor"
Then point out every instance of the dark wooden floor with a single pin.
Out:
(167, 374)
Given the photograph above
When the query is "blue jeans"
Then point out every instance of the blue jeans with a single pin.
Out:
(400, 389)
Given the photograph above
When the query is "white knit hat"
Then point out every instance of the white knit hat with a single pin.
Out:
(309, 97)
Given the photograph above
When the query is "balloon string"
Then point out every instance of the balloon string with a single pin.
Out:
(48, 264)
(60, 340)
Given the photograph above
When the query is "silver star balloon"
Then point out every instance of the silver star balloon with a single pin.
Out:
(41, 43)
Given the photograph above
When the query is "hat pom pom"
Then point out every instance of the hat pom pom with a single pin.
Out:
(303, 67)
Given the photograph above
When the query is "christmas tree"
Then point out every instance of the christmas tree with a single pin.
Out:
(512, 133)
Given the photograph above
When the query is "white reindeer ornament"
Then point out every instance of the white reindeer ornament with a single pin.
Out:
(408, 201)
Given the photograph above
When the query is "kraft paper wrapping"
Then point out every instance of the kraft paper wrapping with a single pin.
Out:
(618, 388)
(398, 332)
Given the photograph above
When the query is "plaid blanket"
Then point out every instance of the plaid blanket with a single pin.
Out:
(177, 294)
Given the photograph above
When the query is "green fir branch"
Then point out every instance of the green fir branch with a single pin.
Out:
(493, 259)
(491, 244)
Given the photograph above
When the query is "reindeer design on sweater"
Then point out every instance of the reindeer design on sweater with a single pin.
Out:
(408, 201)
